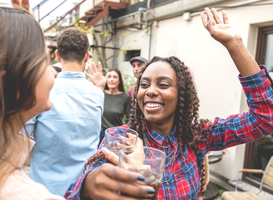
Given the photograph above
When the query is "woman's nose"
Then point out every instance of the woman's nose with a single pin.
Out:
(151, 92)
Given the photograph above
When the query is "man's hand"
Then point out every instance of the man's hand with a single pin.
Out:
(96, 76)
(23, 4)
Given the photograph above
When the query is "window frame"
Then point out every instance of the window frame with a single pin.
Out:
(262, 32)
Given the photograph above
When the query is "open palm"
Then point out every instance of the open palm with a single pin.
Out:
(223, 32)
(96, 76)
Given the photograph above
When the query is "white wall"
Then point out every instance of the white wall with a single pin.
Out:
(85, 6)
(132, 40)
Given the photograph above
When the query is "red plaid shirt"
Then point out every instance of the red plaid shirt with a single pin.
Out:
(181, 179)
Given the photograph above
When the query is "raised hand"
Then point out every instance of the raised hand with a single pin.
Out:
(96, 76)
(226, 34)
(24, 4)
(222, 31)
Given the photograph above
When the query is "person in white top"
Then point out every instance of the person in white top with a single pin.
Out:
(26, 80)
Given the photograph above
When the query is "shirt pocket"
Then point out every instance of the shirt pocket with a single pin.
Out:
(181, 185)
(186, 181)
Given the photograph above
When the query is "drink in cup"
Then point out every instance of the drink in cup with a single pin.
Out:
(147, 161)
(118, 137)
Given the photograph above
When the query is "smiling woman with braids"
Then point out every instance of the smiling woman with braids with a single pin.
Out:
(165, 114)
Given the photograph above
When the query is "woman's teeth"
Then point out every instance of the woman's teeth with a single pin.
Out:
(151, 105)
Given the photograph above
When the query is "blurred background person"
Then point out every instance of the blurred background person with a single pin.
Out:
(137, 63)
(116, 102)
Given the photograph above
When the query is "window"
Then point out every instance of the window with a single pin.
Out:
(265, 48)
(259, 152)
(130, 54)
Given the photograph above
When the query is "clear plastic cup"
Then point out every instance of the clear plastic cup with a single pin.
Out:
(147, 161)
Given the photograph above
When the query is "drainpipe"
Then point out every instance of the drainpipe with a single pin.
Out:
(140, 14)
(150, 41)
(154, 39)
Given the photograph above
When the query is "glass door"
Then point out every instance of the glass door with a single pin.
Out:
(259, 152)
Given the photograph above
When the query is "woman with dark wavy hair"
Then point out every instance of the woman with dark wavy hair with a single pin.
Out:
(26, 80)
(165, 114)
(116, 102)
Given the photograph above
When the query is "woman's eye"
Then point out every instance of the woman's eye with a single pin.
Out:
(144, 85)
(164, 85)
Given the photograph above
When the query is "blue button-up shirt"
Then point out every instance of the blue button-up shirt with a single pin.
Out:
(68, 134)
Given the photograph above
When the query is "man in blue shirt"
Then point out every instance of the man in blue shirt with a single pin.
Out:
(68, 134)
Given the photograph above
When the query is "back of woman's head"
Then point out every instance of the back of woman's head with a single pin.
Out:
(120, 85)
(23, 59)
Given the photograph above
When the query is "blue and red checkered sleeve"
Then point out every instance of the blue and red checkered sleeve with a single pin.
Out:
(248, 126)
(74, 190)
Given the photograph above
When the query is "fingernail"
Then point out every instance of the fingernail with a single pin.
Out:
(151, 191)
(141, 178)
(105, 151)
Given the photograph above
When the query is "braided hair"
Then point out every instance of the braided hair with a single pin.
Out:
(186, 113)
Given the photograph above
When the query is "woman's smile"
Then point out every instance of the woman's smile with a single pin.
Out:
(158, 93)
(153, 106)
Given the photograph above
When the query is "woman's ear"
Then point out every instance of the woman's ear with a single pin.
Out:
(3, 73)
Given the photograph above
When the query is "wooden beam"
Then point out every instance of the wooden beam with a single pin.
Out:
(101, 15)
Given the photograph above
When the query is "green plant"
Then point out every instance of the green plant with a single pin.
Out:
(54, 61)
(128, 82)
(85, 28)
(124, 119)
(221, 191)
(99, 54)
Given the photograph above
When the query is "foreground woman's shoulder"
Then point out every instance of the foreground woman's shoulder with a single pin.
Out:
(19, 186)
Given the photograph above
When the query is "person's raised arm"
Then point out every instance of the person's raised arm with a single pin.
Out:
(227, 35)
(96, 76)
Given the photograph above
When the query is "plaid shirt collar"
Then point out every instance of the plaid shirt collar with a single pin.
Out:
(158, 138)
